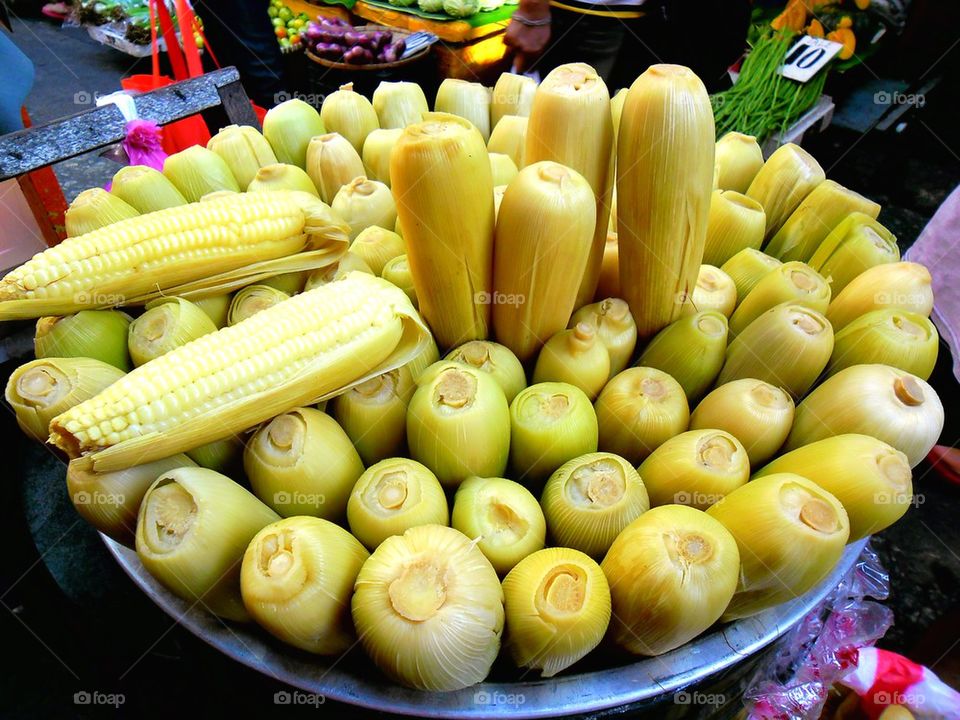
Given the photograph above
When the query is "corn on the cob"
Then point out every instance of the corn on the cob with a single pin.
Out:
(377, 246)
(447, 224)
(615, 328)
(97, 334)
(374, 414)
(786, 178)
(350, 114)
(251, 300)
(901, 339)
(279, 176)
(363, 203)
(870, 478)
(317, 343)
(794, 282)
(892, 286)
(94, 209)
(788, 346)
(691, 349)
(608, 283)
(735, 222)
(575, 356)
(714, 290)
(288, 128)
(502, 168)
(197, 171)
(168, 323)
(244, 150)
(399, 104)
(376, 154)
(145, 189)
(469, 100)
(738, 160)
(876, 400)
(857, 244)
(158, 251)
(570, 124)
(397, 271)
(332, 162)
(543, 240)
(512, 95)
(509, 137)
(664, 172)
(495, 359)
(747, 268)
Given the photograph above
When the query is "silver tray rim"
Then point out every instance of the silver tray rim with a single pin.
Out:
(639, 681)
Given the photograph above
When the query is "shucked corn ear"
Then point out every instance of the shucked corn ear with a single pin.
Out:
(570, 123)
(543, 240)
(96, 208)
(664, 173)
(145, 189)
(738, 160)
(855, 245)
(350, 114)
(295, 353)
(785, 179)
(197, 171)
(146, 255)
(244, 150)
(469, 100)
(447, 224)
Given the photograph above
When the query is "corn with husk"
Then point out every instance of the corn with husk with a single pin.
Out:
(509, 137)
(715, 290)
(786, 178)
(747, 268)
(794, 282)
(512, 95)
(735, 222)
(363, 203)
(349, 262)
(901, 339)
(332, 162)
(244, 150)
(94, 209)
(167, 324)
(892, 286)
(469, 100)
(856, 244)
(494, 359)
(616, 110)
(399, 104)
(374, 414)
(97, 334)
(738, 160)
(197, 171)
(608, 283)
(216, 307)
(251, 300)
(377, 246)
(289, 283)
(691, 349)
(502, 168)
(376, 153)
(350, 114)
(145, 189)
(397, 272)
(575, 356)
(288, 128)
(665, 164)
(280, 176)
(225, 455)
(877, 400)
(615, 328)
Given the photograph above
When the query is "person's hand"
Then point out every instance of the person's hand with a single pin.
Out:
(528, 42)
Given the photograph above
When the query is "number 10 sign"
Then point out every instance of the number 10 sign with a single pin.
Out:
(807, 56)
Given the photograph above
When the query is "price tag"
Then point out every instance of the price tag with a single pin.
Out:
(807, 57)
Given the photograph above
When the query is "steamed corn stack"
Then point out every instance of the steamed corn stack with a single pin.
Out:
(143, 256)
(512, 95)
(145, 189)
(295, 353)
(855, 245)
(469, 100)
(93, 209)
(664, 182)
(785, 179)
(570, 123)
(735, 222)
(738, 160)
(509, 137)
(244, 150)
(447, 224)
(816, 216)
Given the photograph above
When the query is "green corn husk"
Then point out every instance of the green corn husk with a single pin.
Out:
(216, 307)
(715, 290)
(224, 456)
(168, 323)
(871, 479)
(97, 334)
(747, 268)
(251, 300)
(374, 414)
(855, 245)
(289, 283)
(892, 286)
(197, 171)
(95, 208)
(502, 168)
(348, 262)
(512, 96)
(615, 328)
(397, 271)
(296, 581)
(244, 149)
(550, 423)
(282, 177)
(758, 414)
(458, 423)
(577, 357)
(671, 573)
(735, 222)
(697, 468)
(738, 160)
(377, 246)
(302, 463)
(788, 346)
(469, 100)
(508, 137)
(504, 517)
(786, 178)
(376, 153)
(691, 349)
(877, 400)
(363, 203)
(495, 359)
(790, 532)
(793, 282)
(288, 128)
(393, 496)
(827, 205)
(192, 529)
(110, 501)
(399, 104)
(350, 114)
(145, 189)
(589, 500)
(639, 410)
(901, 339)
(332, 162)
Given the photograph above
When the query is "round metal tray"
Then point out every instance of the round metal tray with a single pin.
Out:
(634, 682)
